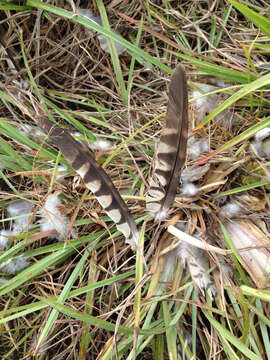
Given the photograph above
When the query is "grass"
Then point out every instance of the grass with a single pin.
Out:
(92, 297)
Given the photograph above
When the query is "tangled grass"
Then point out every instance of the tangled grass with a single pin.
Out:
(91, 297)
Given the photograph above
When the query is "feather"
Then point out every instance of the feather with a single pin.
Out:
(94, 177)
(171, 151)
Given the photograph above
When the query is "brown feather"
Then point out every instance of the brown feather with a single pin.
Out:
(94, 177)
(171, 151)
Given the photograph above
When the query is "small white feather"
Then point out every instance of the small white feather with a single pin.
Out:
(14, 265)
(42, 348)
(100, 145)
(53, 219)
(161, 215)
(262, 134)
(230, 210)
(5, 238)
(3, 281)
(189, 189)
(61, 172)
(194, 173)
(194, 258)
(21, 211)
(196, 147)
(102, 39)
(29, 131)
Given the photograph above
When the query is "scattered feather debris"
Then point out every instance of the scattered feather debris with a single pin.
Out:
(169, 268)
(262, 134)
(5, 236)
(43, 347)
(99, 144)
(194, 174)
(230, 210)
(30, 131)
(21, 211)
(189, 189)
(195, 259)
(3, 281)
(102, 39)
(61, 172)
(196, 147)
(225, 272)
(54, 220)
(18, 83)
(103, 145)
(207, 104)
(261, 142)
(12, 266)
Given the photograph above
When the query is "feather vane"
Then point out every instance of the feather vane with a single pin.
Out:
(171, 151)
(94, 177)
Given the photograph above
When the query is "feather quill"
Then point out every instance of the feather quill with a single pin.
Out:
(94, 177)
(170, 154)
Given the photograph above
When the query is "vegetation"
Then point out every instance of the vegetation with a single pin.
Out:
(90, 296)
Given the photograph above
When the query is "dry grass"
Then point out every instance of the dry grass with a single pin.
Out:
(87, 298)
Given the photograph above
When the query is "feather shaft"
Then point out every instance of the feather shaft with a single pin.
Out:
(171, 151)
(94, 177)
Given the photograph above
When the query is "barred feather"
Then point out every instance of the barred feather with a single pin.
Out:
(171, 151)
(94, 177)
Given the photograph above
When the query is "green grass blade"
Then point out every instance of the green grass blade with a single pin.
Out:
(62, 298)
(113, 53)
(91, 25)
(245, 90)
(224, 333)
(258, 20)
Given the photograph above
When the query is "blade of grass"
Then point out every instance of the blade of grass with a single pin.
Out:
(91, 25)
(245, 90)
(258, 20)
(235, 256)
(62, 298)
(263, 295)
(12, 132)
(242, 188)
(30, 308)
(132, 63)
(219, 71)
(224, 23)
(237, 139)
(123, 144)
(264, 330)
(95, 321)
(113, 53)
(87, 336)
(226, 334)
(171, 333)
(77, 124)
(12, 188)
(10, 7)
(8, 150)
(139, 275)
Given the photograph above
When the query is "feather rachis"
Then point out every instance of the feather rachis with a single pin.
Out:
(95, 179)
(171, 152)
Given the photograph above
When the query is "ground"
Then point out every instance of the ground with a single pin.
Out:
(89, 295)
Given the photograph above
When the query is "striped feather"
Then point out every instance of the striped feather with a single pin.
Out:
(94, 177)
(171, 151)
